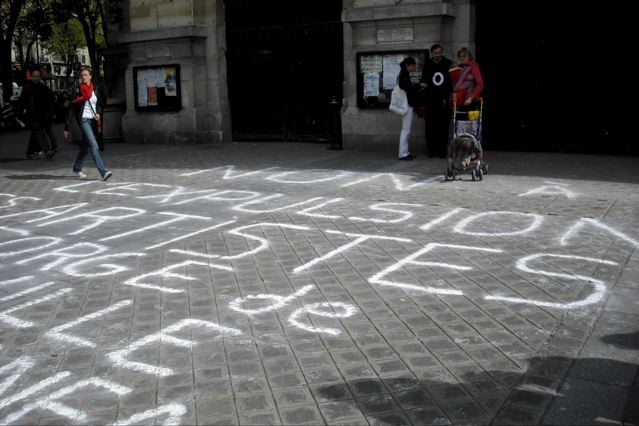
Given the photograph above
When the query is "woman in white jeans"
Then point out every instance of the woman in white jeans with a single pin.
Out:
(407, 66)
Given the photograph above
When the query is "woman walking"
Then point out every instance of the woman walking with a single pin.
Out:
(87, 109)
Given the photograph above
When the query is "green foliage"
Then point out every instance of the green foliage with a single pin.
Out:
(90, 15)
(67, 37)
(34, 23)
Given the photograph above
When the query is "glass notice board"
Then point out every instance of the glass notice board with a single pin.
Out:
(157, 88)
(377, 75)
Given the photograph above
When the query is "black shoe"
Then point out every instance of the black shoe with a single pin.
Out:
(35, 155)
(51, 153)
(408, 157)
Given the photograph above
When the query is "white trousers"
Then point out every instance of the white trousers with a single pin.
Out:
(407, 122)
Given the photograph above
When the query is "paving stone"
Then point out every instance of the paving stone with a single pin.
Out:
(331, 392)
(377, 404)
(340, 411)
(427, 416)
(404, 356)
(293, 396)
(301, 414)
(261, 418)
(286, 381)
(584, 401)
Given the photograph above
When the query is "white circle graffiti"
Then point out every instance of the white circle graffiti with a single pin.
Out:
(438, 78)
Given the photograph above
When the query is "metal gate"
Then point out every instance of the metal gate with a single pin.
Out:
(285, 65)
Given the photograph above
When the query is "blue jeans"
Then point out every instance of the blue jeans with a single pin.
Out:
(89, 142)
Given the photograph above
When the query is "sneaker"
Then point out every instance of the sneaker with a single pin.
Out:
(80, 175)
(408, 157)
(107, 175)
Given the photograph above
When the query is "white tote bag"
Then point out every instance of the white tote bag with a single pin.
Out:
(399, 101)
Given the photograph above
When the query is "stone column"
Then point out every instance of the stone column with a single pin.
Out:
(185, 33)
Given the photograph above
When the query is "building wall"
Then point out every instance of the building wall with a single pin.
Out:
(189, 33)
(450, 23)
(192, 33)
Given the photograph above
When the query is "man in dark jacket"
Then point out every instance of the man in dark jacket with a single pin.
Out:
(437, 87)
(37, 107)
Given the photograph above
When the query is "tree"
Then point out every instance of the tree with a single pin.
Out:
(34, 25)
(9, 13)
(90, 14)
(67, 37)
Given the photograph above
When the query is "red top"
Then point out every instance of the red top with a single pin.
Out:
(467, 81)
(86, 91)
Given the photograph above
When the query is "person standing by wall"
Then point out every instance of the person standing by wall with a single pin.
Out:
(37, 107)
(467, 81)
(87, 110)
(407, 66)
(437, 87)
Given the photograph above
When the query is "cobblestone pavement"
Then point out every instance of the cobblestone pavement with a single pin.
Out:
(288, 284)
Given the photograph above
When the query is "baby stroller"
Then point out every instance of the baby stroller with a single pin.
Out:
(465, 148)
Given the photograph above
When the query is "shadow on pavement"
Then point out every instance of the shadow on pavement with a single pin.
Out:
(41, 176)
(623, 341)
(11, 160)
(553, 391)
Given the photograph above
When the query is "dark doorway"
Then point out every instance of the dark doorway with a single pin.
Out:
(284, 66)
(552, 79)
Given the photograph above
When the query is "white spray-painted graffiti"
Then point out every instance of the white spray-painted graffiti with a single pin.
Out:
(62, 253)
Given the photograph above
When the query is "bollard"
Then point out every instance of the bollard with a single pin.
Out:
(336, 119)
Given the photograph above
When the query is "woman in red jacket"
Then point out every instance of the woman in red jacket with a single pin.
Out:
(467, 80)
(87, 110)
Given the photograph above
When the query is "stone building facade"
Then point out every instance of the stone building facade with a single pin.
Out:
(203, 36)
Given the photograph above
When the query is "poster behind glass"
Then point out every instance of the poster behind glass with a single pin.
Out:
(377, 74)
(157, 88)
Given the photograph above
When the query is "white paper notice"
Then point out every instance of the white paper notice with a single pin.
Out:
(371, 84)
(142, 92)
(170, 82)
(391, 70)
(371, 64)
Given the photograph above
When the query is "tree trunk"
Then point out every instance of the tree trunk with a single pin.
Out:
(91, 45)
(5, 47)
(7, 81)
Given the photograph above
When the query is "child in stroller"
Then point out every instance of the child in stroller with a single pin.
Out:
(465, 154)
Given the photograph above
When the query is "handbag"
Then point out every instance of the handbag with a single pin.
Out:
(98, 121)
(399, 101)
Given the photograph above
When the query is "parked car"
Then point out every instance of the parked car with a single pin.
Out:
(8, 110)
(15, 95)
